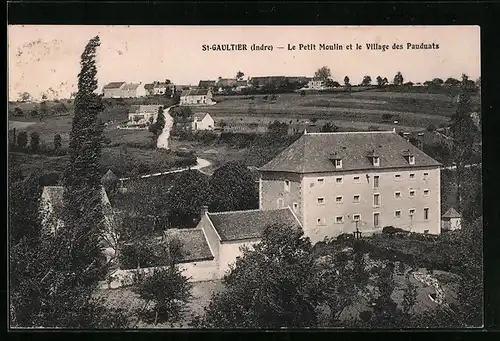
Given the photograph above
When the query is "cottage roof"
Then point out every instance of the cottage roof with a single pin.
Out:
(131, 86)
(55, 194)
(200, 115)
(452, 213)
(109, 177)
(239, 225)
(195, 92)
(194, 244)
(317, 79)
(312, 152)
(241, 82)
(227, 82)
(206, 84)
(114, 85)
(147, 108)
(149, 86)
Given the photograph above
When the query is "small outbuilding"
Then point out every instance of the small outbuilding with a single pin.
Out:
(451, 220)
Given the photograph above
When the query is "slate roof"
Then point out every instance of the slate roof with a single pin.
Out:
(194, 244)
(149, 86)
(131, 86)
(54, 195)
(148, 108)
(109, 176)
(240, 225)
(227, 82)
(199, 115)
(312, 152)
(114, 85)
(206, 84)
(452, 213)
(195, 92)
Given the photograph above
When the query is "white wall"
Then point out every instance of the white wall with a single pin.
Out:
(229, 251)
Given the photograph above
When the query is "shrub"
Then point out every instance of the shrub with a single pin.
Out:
(392, 230)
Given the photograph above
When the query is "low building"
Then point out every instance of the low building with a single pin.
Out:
(197, 97)
(159, 88)
(226, 83)
(316, 83)
(228, 232)
(451, 220)
(52, 208)
(144, 114)
(202, 121)
(123, 90)
(241, 85)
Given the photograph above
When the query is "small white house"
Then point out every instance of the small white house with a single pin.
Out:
(197, 97)
(228, 232)
(451, 220)
(144, 114)
(316, 83)
(123, 90)
(202, 121)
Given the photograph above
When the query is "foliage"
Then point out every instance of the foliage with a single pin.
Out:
(239, 75)
(34, 141)
(157, 127)
(398, 79)
(329, 128)
(323, 72)
(381, 81)
(232, 188)
(18, 112)
(22, 139)
(57, 142)
(82, 178)
(367, 80)
(168, 290)
(346, 81)
(188, 193)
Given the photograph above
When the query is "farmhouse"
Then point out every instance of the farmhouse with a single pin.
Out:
(202, 121)
(226, 83)
(123, 90)
(227, 232)
(52, 208)
(196, 97)
(158, 88)
(339, 182)
(143, 114)
(240, 85)
(316, 83)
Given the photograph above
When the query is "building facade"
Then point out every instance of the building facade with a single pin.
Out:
(123, 90)
(342, 182)
(196, 97)
(316, 83)
(202, 121)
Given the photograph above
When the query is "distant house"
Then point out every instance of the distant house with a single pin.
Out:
(196, 97)
(144, 114)
(52, 208)
(227, 232)
(123, 90)
(295, 128)
(207, 85)
(202, 121)
(226, 83)
(158, 88)
(240, 85)
(113, 90)
(451, 220)
(316, 83)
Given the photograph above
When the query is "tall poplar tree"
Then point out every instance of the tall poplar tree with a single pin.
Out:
(463, 132)
(82, 186)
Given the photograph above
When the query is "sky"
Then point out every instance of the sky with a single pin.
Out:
(45, 59)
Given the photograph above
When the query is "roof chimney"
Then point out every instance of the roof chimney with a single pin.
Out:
(204, 210)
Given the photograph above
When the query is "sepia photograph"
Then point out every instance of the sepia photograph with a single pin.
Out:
(244, 177)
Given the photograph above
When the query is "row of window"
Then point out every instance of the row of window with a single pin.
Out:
(376, 217)
(376, 197)
(375, 161)
(357, 179)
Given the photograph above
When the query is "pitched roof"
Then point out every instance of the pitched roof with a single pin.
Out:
(147, 108)
(312, 152)
(227, 82)
(131, 86)
(194, 244)
(317, 79)
(452, 213)
(206, 84)
(109, 176)
(149, 86)
(195, 92)
(55, 194)
(239, 225)
(114, 85)
(200, 115)
(242, 82)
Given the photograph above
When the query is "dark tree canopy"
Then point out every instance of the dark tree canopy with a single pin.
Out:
(232, 188)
